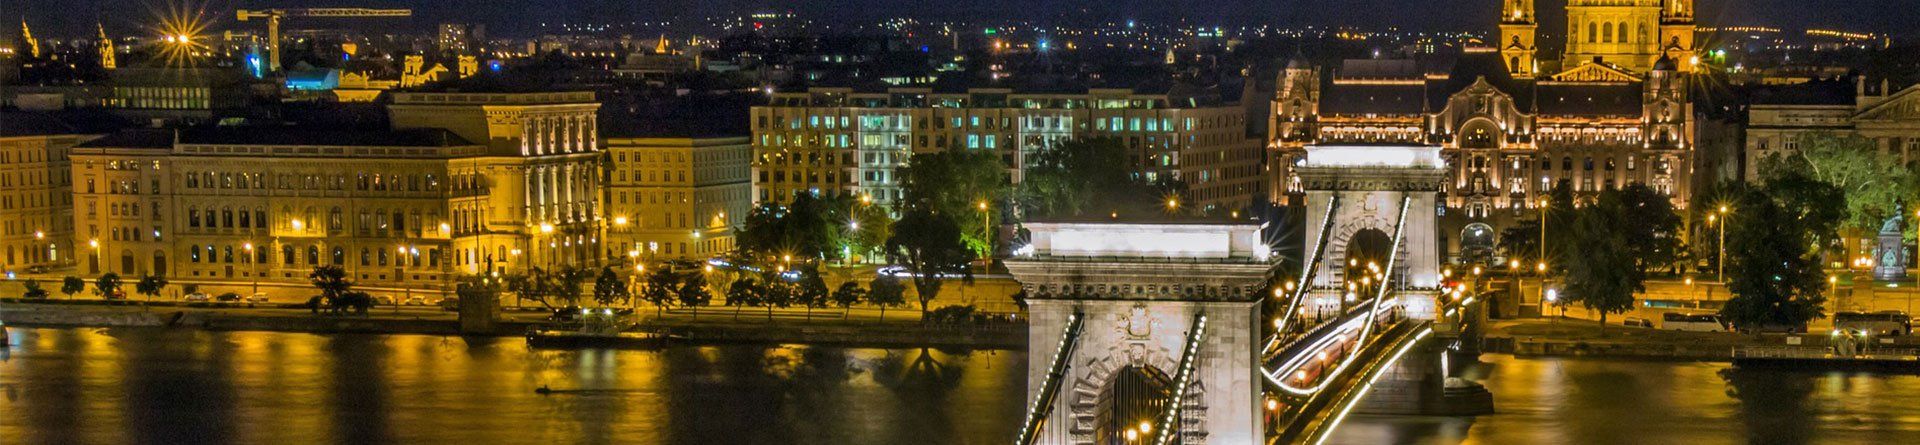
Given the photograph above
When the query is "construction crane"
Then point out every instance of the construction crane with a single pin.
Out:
(273, 17)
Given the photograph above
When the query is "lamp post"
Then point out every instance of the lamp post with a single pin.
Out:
(1543, 229)
(255, 270)
(986, 225)
(1722, 263)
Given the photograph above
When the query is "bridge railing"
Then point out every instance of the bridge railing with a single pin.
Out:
(1056, 372)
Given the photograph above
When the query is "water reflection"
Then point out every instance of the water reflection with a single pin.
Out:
(1614, 401)
(180, 386)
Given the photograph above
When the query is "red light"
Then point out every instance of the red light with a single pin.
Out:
(757, 25)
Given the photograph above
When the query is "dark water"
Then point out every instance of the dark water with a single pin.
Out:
(180, 386)
(110, 386)
(1580, 401)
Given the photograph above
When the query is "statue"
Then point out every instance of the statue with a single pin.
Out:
(1890, 260)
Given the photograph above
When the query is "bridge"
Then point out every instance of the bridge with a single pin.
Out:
(1157, 331)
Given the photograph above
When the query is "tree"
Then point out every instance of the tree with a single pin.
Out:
(529, 286)
(333, 285)
(608, 289)
(1820, 206)
(1086, 175)
(659, 288)
(928, 245)
(1651, 227)
(778, 293)
(568, 284)
(1872, 181)
(811, 292)
(955, 184)
(868, 232)
(886, 291)
(745, 292)
(107, 286)
(72, 285)
(151, 286)
(693, 291)
(1774, 279)
(807, 227)
(848, 294)
(1601, 271)
(34, 292)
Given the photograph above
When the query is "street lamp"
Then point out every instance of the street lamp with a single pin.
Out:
(248, 247)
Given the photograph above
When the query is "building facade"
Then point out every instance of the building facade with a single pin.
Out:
(35, 208)
(463, 184)
(535, 191)
(676, 197)
(839, 141)
(1884, 113)
(1507, 140)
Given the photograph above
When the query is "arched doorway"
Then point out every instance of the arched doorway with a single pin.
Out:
(1477, 243)
(126, 263)
(160, 263)
(1137, 394)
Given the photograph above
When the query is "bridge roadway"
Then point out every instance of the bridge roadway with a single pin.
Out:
(1317, 377)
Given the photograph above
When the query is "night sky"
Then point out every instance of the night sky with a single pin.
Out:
(511, 17)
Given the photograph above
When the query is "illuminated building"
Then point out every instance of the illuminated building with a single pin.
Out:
(675, 197)
(1885, 113)
(842, 141)
(35, 224)
(462, 181)
(1509, 131)
(1628, 34)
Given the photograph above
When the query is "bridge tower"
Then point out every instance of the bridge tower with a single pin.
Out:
(1143, 332)
(1362, 189)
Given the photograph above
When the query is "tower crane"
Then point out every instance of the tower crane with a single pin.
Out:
(273, 17)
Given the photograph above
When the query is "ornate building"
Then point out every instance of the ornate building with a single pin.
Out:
(462, 181)
(1508, 131)
(1623, 34)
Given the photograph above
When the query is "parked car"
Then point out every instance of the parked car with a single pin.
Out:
(1637, 322)
(229, 297)
(449, 303)
(383, 300)
(416, 301)
(257, 297)
(116, 295)
(199, 296)
(37, 269)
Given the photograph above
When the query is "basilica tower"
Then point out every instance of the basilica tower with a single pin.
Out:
(1676, 32)
(1617, 32)
(1517, 30)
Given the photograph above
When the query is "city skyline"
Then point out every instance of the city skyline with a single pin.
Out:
(526, 17)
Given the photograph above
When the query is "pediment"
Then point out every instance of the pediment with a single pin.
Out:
(1904, 105)
(1596, 72)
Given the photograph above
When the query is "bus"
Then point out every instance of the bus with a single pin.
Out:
(1675, 321)
(1876, 323)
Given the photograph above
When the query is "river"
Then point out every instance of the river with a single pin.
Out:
(124, 385)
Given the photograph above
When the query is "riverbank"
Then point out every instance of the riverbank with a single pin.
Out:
(1584, 338)
(432, 321)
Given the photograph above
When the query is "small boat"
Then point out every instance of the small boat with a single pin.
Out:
(596, 329)
(569, 339)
